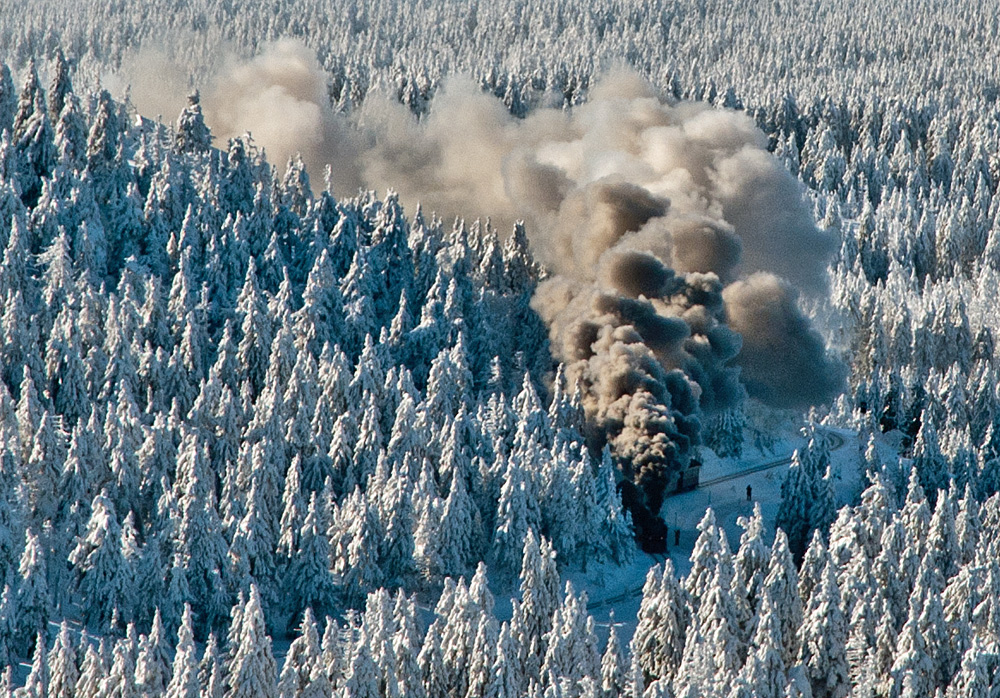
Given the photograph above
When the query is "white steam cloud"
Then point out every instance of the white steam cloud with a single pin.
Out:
(677, 244)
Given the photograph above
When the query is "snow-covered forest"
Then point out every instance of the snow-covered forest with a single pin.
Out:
(242, 404)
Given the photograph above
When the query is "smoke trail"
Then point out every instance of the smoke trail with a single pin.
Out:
(279, 97)
(677, 245)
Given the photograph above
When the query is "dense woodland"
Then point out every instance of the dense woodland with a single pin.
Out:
(234, 408)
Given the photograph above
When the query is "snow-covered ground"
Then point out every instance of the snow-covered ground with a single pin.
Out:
(618, 589)
(729, 498)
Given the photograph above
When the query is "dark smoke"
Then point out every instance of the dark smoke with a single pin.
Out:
(651, 351)
(763, 309)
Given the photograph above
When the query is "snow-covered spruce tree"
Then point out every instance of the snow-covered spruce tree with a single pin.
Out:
(32, 594)
(153, 663)
(33, 137)
(455, 537)
(309, 578)
(101, 577)
(517, 515)
(362, 680)
(62, 663)
(824, 639)
(613, 666)
(302, 663)
(532, 617)
(198, 544)
(571, 646)
(191, 133)
(663, 620)
(711, 656)
(764, 673)
(210, 668)
(37, 683)
(8, 98)
(752, 557)
(806, 494)
(184, 673)
(724, 433)
(782, 584)
(120, 679)
(251, 668)
(93, 669)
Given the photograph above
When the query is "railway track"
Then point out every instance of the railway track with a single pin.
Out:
(836, 443)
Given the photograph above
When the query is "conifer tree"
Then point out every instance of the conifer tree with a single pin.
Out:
(309, 578)
(37, 683)
(70, 138)
(104, 138)
(32, 593)
(33, 137)
(711, 656)
(455, 541)
(60, 87)
(252, 671)
(711, 559)
(482, 656)
(973, 680)
(892, 577)
(505, 678)
(396, 520)
(100, 567)
(824, 639)
(613, 667)
(753, 556)
(782, 585)
(255, 330)
(362, 680)
(302, 661)
(539, 599)
(8, 626)
(616, 530)
(63, 670)
(663, 619)
(636, 685)
(120, 680)
(192, 135)
(806, 495)
(210, 670)
(588, 514)
(8, 99)
(571, 646)
(93, 671)
(184, 681)
(518, 514)
(356, 548)
(153, 664)
(764, 671)
(405, 644)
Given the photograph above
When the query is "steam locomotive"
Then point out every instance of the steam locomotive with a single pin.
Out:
(650, 529)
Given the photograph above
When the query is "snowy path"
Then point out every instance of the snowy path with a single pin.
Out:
(633, 593)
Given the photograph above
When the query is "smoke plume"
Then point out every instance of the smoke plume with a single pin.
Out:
(279, 97)
(677, 245)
